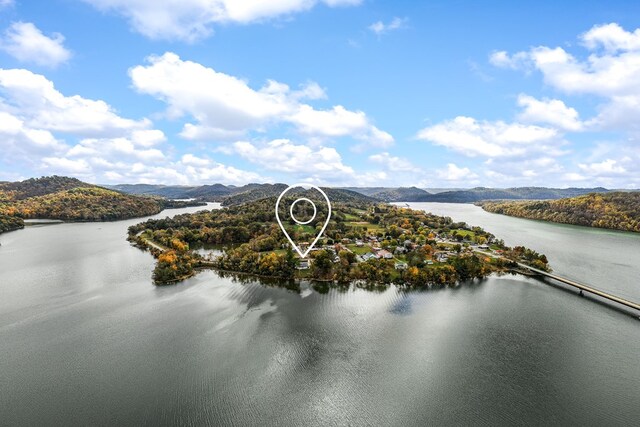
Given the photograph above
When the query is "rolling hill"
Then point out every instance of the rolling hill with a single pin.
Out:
(615, 210)
(519, 193)
(69, 199)
(401, 194)
(263, 191)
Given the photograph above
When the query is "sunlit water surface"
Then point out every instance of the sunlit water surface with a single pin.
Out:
(85, 338)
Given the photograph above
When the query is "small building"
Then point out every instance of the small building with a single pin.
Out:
(359, 243)
(441, 256)
(367, 256)
(382, 253)
(401, 265)
(400, 250)
(303, 264)
(483, 247)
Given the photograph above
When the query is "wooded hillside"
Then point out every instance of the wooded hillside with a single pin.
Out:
(615, 210)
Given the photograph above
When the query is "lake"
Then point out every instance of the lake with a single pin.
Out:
(85, 338)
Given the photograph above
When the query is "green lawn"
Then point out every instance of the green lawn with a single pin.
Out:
(351, 217)
(466, 233)
(360, 250)
(298, 228)
(369, 226)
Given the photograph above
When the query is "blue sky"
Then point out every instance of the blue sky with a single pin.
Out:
(333, 92)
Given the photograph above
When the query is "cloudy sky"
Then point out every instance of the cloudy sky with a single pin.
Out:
(337, 92)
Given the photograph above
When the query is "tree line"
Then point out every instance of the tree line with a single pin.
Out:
(615, 210)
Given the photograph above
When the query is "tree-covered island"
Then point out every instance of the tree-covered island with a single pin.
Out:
(373, 243)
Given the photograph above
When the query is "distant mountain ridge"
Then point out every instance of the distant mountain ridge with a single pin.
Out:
(517, 193)
(254, 191)
(263, 191)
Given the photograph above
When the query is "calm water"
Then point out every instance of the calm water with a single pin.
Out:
(85, 338)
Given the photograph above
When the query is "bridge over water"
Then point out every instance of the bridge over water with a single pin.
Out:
(583, 288)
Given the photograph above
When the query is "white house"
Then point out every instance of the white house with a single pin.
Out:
(401, 265)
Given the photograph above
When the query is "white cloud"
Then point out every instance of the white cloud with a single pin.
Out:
(191, 20)
(611, 71)
(380, 27)
(612, 37)
(25, 42)
(68, 166)
(148, 137)
(6, 3)
(393, 163)
(492, 139)
(115, 150)
(36, 102)
(226, 107)
(121, 160)
(608, 167)
(338, 122)
(191, 160)
(549, 111)
(502, 59)
(455, 173)
(285, 156)
(310, 90)
(18, 141)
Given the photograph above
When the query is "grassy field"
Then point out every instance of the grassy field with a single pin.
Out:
(466, 233)
(301, 228)
(369, 226)
(360, 250)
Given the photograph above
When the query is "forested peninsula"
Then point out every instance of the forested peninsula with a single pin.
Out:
(363, 242)
(614, 210)
(70, 199)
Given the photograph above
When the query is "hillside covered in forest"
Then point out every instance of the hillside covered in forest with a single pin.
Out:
(615, 210)
(70, 199)
(336, 195)
(231, 195)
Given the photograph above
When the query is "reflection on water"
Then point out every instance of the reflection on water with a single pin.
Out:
(85, 338)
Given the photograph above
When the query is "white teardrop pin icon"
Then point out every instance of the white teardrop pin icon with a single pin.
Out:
(303, 254)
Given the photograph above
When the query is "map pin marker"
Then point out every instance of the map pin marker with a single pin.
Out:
(315, 211)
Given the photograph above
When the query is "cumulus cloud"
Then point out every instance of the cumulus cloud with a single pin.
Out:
(35, 101)
(191, 20)
(226, 107)
(25, 42)
(549, 111)
(611, 37)
(608, 167)
(19, 141)
(298, 159)
(502, 59)
(393, 163)
(458, 174)
(474, 138)
(611, 71)
(380, 27)
(122, 160)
